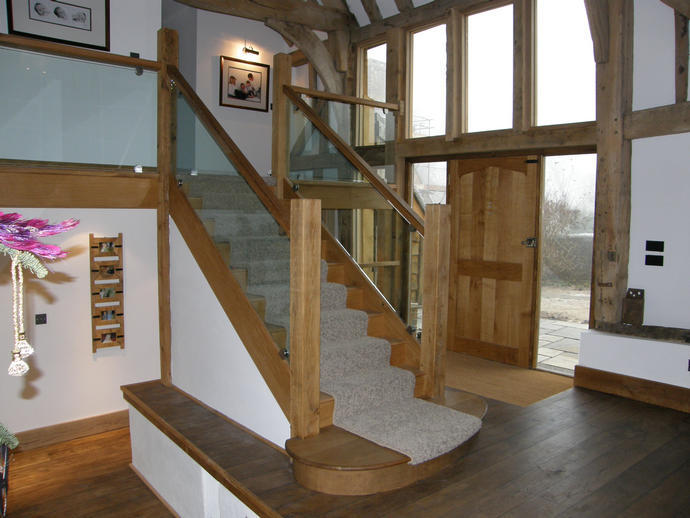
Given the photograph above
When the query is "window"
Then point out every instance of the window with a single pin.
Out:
(428, 81)
(565, 63)
(490, 70)
(376, 127)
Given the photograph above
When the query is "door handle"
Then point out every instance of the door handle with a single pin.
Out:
(530, 242)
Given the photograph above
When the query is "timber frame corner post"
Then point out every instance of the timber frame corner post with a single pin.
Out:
(612, 213)
(168, 54)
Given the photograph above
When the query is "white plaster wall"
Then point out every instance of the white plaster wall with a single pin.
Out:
(189, 489)
(661, 212)
(664, 362)
(133, 26)
(653, 55)
(67, 381)
(182, 18)
(221, 35)
(209, 360)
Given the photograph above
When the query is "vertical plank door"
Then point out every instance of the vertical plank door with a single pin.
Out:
(494, 263)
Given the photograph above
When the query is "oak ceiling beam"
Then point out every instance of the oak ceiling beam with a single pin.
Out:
(681, 6)
(418, 15)
(598, 16)
(404, 5)
(372, 10)
(314, 49)
(319, 17)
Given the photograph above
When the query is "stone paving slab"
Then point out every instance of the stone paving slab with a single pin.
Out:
(567, 345)
(567, 332)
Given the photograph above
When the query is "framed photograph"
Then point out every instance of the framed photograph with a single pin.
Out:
(79, 22)
(244, 84)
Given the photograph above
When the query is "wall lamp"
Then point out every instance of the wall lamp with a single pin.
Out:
(248, 49)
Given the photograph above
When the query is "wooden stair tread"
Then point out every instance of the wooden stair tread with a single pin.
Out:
(338, 449)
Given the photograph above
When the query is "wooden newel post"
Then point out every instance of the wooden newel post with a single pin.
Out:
(167, 129)
(305, 316)
(435, 299)
(282, 75)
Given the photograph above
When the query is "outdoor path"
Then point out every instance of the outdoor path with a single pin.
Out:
(559, 345)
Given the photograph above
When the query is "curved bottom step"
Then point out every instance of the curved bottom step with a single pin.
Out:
(337, 462)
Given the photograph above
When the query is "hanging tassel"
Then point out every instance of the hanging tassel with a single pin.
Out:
(25, 348)
(18, 367)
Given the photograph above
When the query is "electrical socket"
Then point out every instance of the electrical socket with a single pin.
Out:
(41, 318)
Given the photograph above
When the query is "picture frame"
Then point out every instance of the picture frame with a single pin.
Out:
(85, 23)
(235, 74)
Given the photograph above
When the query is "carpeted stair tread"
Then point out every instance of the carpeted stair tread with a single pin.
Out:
(343, 357)
(358, 392)
(420, 429)
(333, 296)
(343, 324)
(238, 223)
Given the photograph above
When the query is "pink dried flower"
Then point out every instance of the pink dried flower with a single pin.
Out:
(22, 235)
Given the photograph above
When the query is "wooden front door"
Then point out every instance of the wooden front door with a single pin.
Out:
(493, 304)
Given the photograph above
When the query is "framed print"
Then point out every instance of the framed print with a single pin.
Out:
(78, 22)
(244, 84)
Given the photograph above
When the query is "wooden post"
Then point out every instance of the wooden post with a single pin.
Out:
(435, 300)
(612, 217)
(282, 75)
(305, 315)
(456, 73)
(681, 23)
(395, 93)
(523, 69)
(167, 129)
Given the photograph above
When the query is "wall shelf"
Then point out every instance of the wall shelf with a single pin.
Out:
(107, 292)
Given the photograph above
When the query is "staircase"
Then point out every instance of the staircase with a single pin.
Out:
(368, 361)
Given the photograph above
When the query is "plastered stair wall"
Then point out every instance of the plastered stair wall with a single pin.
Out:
(372, 398)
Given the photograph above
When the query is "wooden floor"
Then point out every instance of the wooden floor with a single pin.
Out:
(578, 453)
(502, 382)
(88, 477)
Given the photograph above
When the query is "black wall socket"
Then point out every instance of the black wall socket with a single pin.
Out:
(41, 318)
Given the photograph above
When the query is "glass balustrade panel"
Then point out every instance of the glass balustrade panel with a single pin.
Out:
(57, 109)
(251, 241)
(377, 237)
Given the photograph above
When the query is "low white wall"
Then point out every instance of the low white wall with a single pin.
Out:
(665, 362)
(209, 360)
(189, 489)
(67, 381)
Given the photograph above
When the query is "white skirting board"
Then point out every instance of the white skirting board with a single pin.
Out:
(184, 485)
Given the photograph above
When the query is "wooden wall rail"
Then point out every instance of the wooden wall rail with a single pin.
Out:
(357, 161)
(58, 49)
(347, 99)
(249, 326)
(231, 151)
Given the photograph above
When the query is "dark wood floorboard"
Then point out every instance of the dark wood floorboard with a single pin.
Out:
(579, 453)
(88, 477)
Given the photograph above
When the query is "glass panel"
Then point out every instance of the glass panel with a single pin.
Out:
(429, 82)
(58, 109)
(367, 226)
(565, 63)
(566, 248)
(429, 184)
(257, 250)
(368, 130)
(490, 70)
(375, 85)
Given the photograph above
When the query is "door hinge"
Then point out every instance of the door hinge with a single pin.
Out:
(530, 242)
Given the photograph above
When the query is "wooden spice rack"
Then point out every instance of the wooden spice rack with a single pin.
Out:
(107, 292)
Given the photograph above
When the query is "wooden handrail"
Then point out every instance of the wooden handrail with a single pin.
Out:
(231, 151)
(347, 99)
(357, 161)
(68, 51)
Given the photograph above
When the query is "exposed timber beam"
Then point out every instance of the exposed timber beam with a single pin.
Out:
(323, 18)
(655, 122)
(314, 49)
(404, 5)
(598, 16)
(681, 6)
(681, 27)
(372, 10)
(418, 15)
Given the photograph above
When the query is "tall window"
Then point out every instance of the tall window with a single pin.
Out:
(490, 70)
(374, 84)
(428, 82)
(565, 63)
